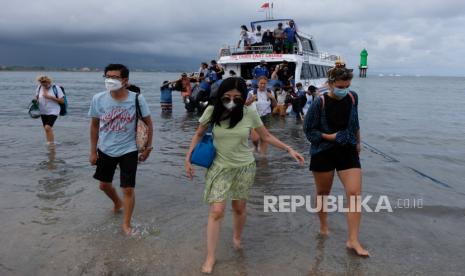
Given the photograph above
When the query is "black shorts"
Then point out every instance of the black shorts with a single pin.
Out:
(106, 166)
(48, 119)
(336, 158)
(266, 120)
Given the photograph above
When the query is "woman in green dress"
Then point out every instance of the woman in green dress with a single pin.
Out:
(233, 170)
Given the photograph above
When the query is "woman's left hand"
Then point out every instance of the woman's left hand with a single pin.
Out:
(297, 156)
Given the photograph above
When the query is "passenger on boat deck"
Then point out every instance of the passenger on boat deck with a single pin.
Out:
(290, 34)
(260, 70)
(258, 36)
(218, 69)
(278, 35)
(267, 38)
(247, 37)
(203, 68)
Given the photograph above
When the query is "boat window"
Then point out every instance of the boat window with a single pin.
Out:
(305, 73)
(321, 71)
(326, 70)
(314, 71)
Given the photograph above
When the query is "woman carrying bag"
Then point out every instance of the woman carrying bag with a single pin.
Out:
(49, 97)
(233, 169)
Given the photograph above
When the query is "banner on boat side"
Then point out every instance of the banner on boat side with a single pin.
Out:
(255, 56)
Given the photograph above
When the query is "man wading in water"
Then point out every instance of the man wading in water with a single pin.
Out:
(113, 126)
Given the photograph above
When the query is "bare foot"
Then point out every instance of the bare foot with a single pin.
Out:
(208, 265)
(117, 207)
(127, 230)
(237, 244)
(357, 247)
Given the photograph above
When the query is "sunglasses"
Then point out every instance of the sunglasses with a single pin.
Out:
(236, 100)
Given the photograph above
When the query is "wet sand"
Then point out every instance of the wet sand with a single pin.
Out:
(55, 220)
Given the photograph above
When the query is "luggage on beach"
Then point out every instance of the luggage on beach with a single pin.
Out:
(34, 110)
(142, 130)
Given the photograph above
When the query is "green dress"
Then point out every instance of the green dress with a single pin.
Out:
(233, 170)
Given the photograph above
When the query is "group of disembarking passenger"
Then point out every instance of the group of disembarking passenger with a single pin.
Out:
(281, 39)
(200, 84)
(236, 114)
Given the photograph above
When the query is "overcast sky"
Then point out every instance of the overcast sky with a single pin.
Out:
(424, 37)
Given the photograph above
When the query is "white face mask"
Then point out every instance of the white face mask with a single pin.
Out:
(230, 105)
(112, 84)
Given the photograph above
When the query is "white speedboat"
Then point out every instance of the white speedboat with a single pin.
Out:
(308, 65)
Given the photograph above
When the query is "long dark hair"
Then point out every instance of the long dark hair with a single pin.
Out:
(236, 114)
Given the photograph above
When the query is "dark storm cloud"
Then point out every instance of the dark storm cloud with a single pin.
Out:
(401, 36)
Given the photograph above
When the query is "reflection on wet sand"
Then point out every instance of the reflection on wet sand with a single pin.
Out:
(52, 189)
(319, 257)
(74, 233)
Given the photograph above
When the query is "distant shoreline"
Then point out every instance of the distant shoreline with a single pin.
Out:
(74, 69)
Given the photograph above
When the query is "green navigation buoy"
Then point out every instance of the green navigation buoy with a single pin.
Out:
(363, 63)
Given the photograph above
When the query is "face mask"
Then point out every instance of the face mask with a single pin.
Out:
(112, 84)
(230, 105)
(341, 93)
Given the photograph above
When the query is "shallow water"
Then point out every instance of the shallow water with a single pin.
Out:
(56, 221)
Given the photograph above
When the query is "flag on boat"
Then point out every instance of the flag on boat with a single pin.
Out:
(265, 6)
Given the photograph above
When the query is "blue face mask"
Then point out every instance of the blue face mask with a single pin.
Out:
(340, 93)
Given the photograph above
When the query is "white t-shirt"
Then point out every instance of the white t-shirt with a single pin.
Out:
(281, 97)
(263, 104)
(249, 37)
(47, 106)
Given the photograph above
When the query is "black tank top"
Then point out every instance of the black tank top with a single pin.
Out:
(337, 112)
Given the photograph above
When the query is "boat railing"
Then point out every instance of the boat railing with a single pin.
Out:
(268, 49)
(262, 49)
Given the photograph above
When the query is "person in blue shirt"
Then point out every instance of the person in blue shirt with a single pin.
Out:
(113, 138)
(290, 34)
(166, 97)
(260, 70)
